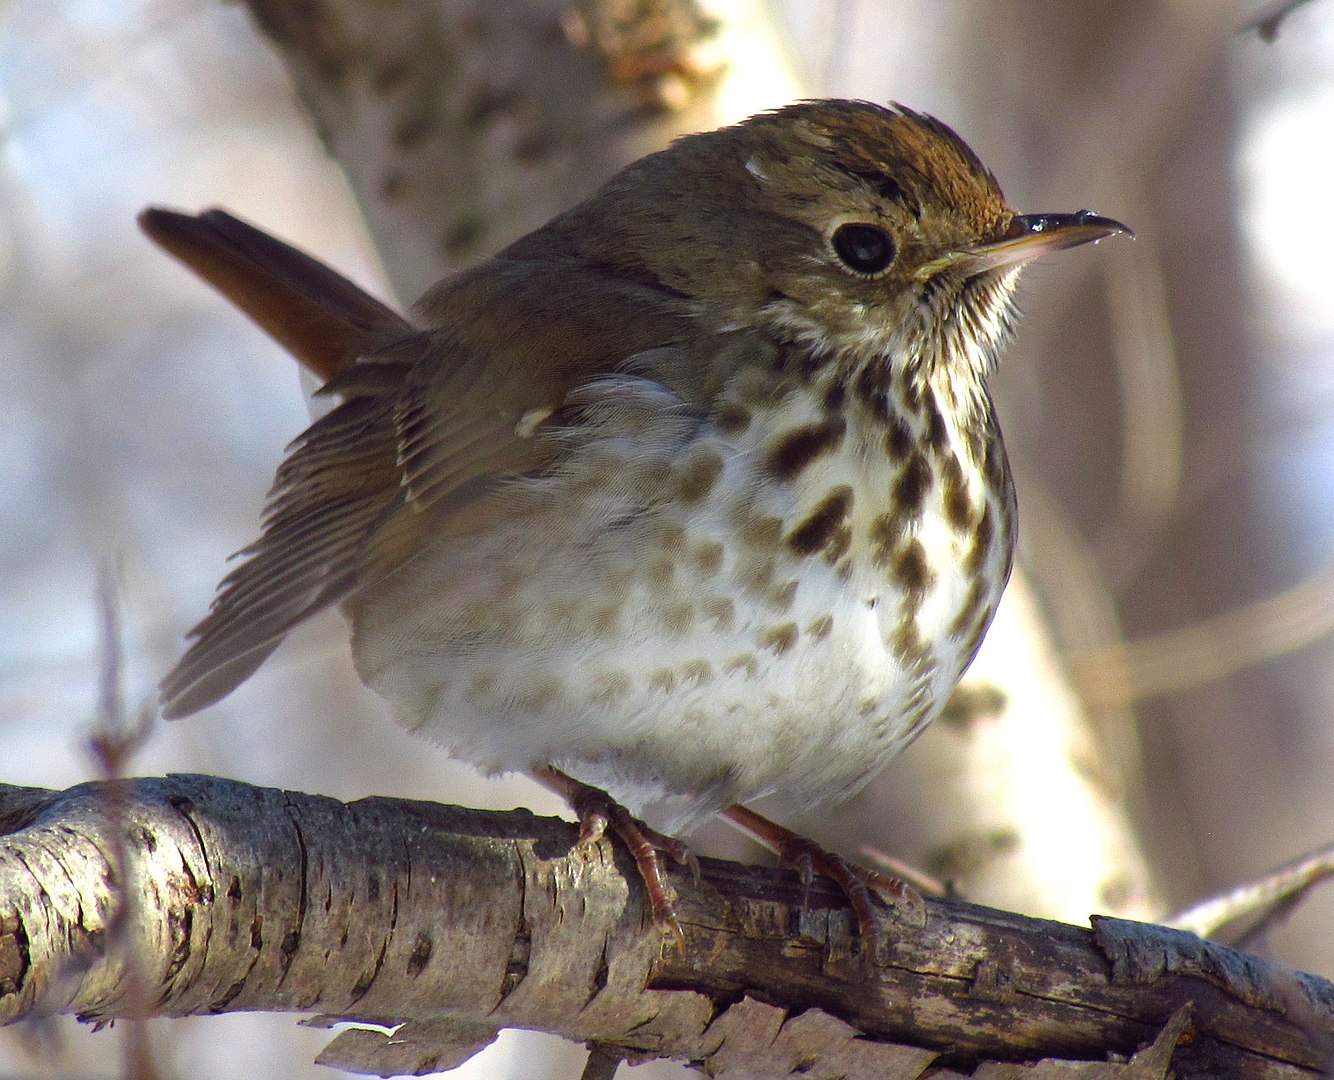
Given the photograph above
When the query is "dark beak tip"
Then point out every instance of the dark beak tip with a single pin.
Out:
(1033, 224)
(1113, 227)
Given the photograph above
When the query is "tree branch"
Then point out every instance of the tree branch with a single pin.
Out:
(454, 923)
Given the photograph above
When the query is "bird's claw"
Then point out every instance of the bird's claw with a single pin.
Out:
(857, 883)
(597, 812)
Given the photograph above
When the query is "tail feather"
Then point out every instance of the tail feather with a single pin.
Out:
(315, 313)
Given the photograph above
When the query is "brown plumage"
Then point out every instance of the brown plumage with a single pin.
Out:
(693, 494)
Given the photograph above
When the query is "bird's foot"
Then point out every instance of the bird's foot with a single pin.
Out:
(597, 812)
(857, 883)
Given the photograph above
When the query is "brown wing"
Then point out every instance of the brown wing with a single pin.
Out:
(519, 337)
(432, 420)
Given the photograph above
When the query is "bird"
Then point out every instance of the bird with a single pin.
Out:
(695, 494)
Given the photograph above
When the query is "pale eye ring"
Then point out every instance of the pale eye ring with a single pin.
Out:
(864, 248)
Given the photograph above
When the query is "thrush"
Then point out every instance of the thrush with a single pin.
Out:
(695, 494)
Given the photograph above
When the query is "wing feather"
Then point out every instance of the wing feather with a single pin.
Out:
(429, 421)
(332, 492)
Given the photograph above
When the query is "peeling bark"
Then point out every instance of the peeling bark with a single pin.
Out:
(447, 924)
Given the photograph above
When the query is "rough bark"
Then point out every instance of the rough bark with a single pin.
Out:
(448, 924)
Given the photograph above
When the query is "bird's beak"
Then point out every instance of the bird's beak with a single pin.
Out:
(1027, 237)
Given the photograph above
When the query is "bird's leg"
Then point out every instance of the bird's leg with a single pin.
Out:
(857, 883)
(597, 812)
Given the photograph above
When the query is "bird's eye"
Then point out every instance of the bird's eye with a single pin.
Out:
(867, 249)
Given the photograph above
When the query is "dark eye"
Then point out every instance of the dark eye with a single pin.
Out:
(867, 249)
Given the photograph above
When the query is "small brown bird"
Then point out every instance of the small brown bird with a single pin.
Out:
(694, 494)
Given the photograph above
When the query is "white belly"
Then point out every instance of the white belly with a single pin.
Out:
(681, 654)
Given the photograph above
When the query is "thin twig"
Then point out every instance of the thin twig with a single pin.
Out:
(1267, 22)
(1273, 894)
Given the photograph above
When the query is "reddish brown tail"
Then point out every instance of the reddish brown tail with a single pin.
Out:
(323, 319)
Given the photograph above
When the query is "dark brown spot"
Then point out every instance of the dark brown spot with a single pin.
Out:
(977, 596)
(678, 618)
(885, 532)
(709, 557)
(873, 389)
(663, 679)
(660, 574)
(393, 185)
(936, 436)
(671, 537)
(911, 570)
(743, 662)
(697, 477)
(912, 485)
(907, 643)
(910, 393)
(920, 715)
(819, 628)
(610, 687)
(983, 537)
(781, 596)
(731, 418)
(606, 621)
(898, 438)
(974, 641)
(756, 574)
(801, 360)
(720, 610)
(958, 507)
(839, 542)
(799, 447)
(810, 361)
(820, 525)
(835, 394)
(928, 289)
(541, 695)
(778, 638)
(762, 531)
(697, 671)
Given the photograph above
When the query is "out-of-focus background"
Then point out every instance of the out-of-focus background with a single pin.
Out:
(1169, 406)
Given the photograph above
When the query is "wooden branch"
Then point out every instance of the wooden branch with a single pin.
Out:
(454, 923)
